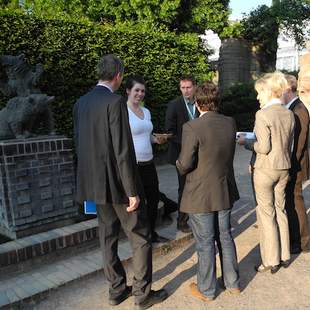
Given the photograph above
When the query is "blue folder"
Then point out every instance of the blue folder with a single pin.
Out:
(90, 207)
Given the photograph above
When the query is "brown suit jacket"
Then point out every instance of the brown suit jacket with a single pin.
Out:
(300, 155)
(274, 127)
(208, 148)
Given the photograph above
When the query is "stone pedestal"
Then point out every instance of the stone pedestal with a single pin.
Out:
(36, 185)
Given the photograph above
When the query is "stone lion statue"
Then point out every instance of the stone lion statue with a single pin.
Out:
(22, 80)
(29, 108)
(21, 115)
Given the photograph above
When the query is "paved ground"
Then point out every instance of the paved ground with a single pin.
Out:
(288, 289)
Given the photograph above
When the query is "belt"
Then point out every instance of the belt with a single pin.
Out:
(145, 163)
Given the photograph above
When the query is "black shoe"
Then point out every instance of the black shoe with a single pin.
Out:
(285, 263)
(273, 269)
(159, 239)
(167, 219)
(154, 297)
(126, 293)
(184, 227)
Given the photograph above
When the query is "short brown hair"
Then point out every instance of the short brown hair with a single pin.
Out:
(292, 82)
(108, 67)
(188, 78)
(207, 96)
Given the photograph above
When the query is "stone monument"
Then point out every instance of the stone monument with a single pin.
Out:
(36, 169)
(234, 63)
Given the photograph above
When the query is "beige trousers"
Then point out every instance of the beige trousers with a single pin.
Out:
(269, 188)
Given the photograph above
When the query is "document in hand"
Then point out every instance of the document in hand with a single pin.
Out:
(90, 207)
(247, 134)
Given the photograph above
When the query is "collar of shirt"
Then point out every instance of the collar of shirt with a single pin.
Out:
(105, 85)
(188, 101)
(288, 105)
(203, 113)
(272, 102)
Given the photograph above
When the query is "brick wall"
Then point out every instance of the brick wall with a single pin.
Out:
(36, 184)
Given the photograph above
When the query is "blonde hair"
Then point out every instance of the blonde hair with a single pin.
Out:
(275, 83)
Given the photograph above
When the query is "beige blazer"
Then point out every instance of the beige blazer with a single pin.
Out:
(274, 130)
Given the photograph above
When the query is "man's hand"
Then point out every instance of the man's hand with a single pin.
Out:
(133, 203)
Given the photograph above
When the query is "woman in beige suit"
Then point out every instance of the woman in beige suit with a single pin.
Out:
(274, 126)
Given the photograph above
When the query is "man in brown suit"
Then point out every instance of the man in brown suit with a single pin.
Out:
(299, 172)
(206, 158)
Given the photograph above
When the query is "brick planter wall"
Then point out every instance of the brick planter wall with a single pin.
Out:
(36, 185)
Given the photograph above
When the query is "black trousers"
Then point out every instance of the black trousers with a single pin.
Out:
(110, 219)
(296, 213)
(149, 178)
(182, 217)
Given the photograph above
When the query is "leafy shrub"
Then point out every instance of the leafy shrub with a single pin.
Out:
(69, 51)
(239, 101)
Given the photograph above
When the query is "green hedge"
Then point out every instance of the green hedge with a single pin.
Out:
(69, 52)
(239, 101)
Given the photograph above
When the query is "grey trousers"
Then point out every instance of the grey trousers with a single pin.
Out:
(271, 215)
(136, 226)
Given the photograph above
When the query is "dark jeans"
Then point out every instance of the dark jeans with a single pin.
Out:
(135, 225)
(182, 217)
(149, 178)
(204, 232)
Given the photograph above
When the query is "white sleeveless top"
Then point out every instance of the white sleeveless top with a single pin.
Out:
(141, 130)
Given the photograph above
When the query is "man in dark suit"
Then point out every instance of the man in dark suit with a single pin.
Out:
(107, 174)
(180, 111)
(206, 158)
(299, 172)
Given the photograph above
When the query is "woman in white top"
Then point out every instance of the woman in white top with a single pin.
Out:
(141, 129)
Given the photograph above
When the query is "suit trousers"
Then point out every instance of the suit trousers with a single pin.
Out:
(296, 213)
(269, 187)
(110, 219)
(182, 217)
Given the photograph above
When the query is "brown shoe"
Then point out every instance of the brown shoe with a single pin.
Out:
(195, 292)
(234, 290)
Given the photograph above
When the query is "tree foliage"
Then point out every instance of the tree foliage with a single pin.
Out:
(293, 17)
(174, 15)
(261, 28)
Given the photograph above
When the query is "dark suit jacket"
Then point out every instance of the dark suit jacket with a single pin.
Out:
(106, 168)
(300, 155)
(208, 148)
(176, 117)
